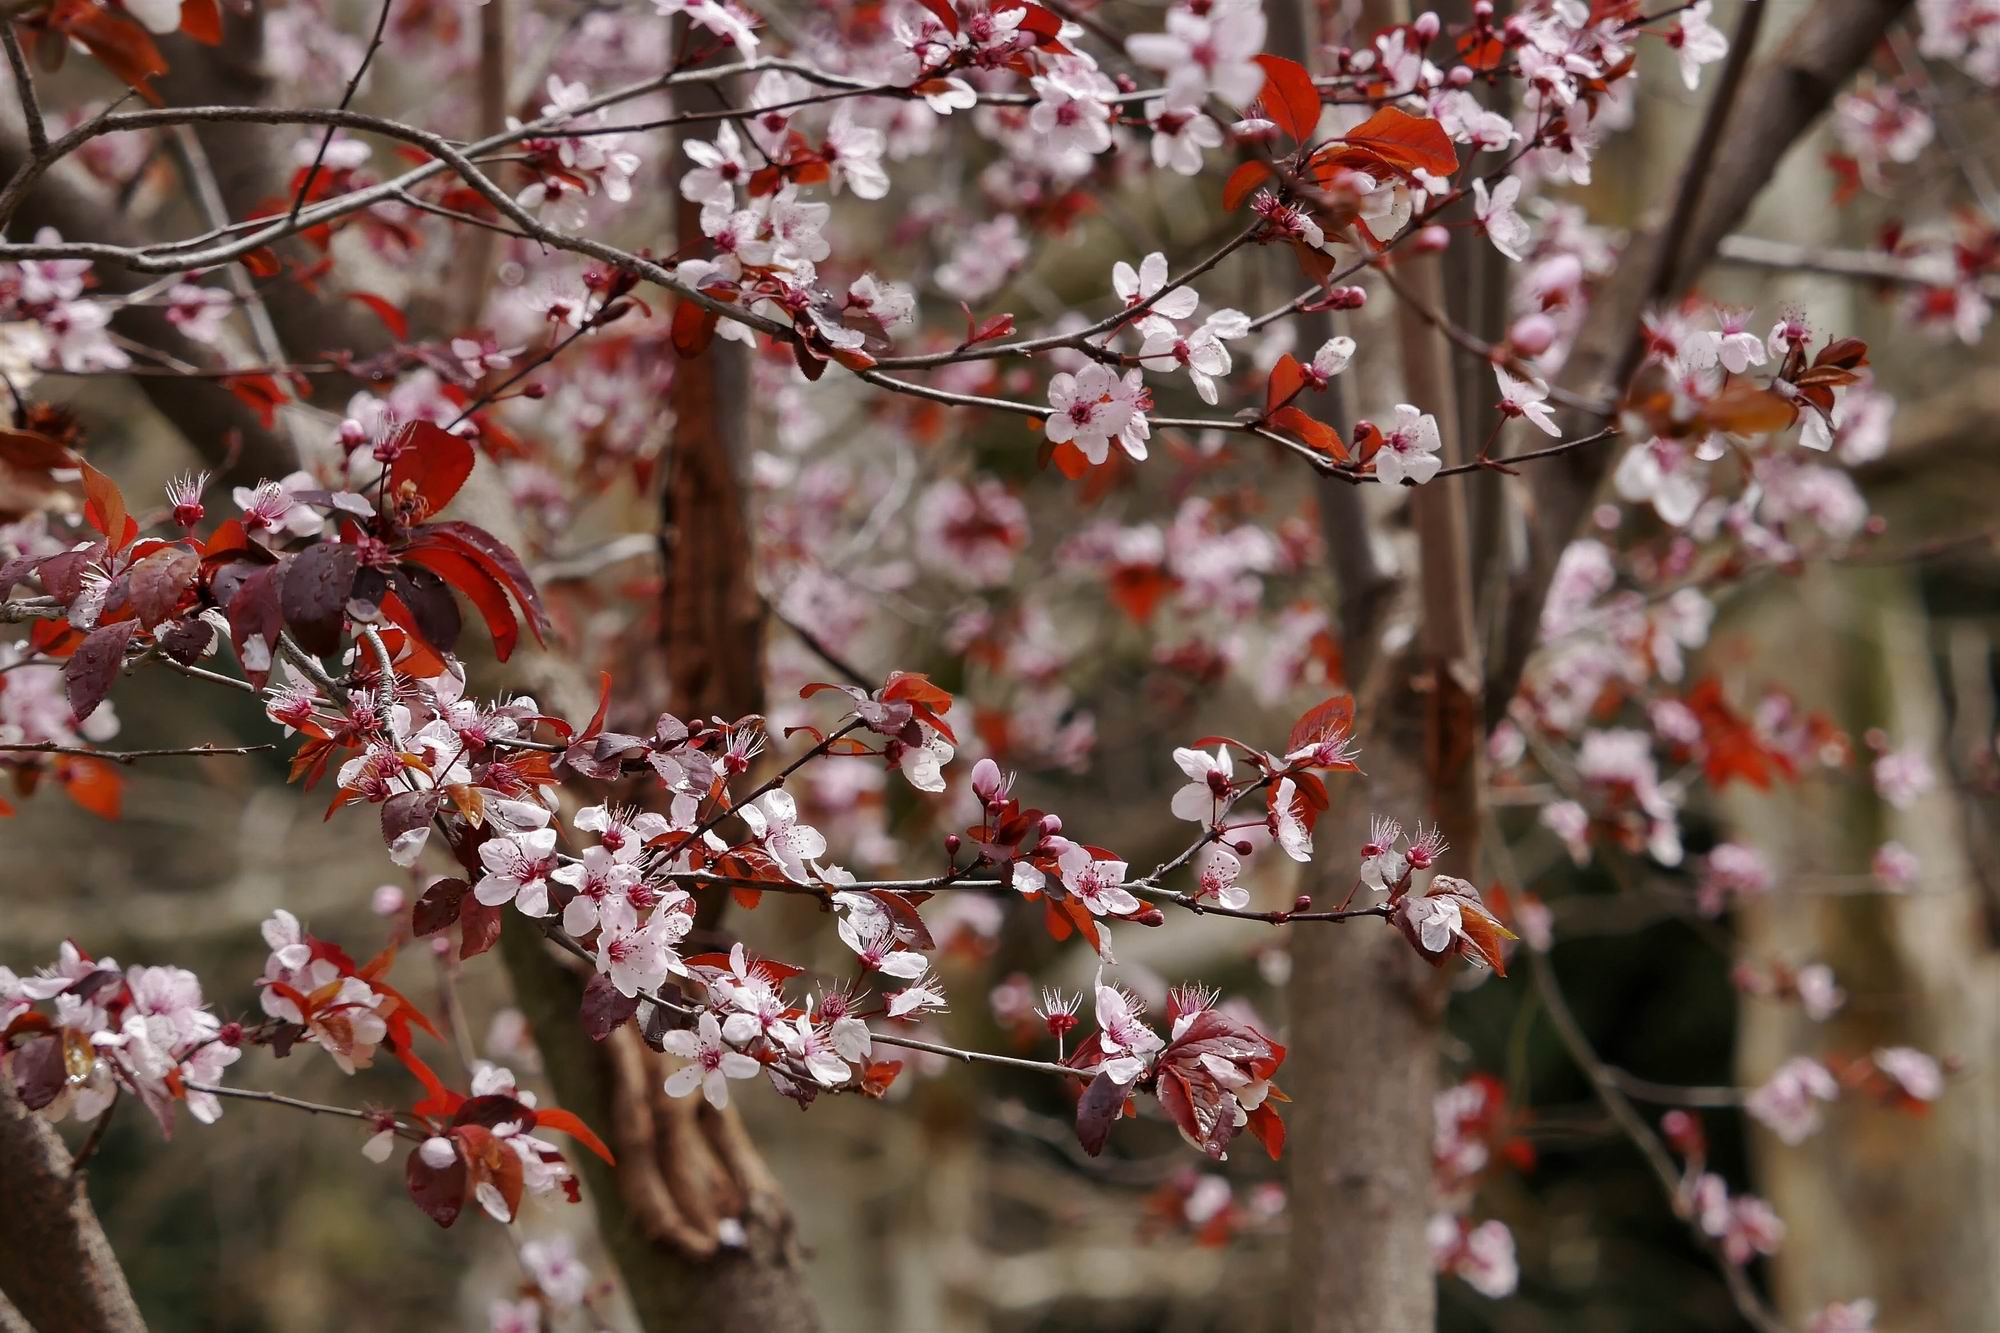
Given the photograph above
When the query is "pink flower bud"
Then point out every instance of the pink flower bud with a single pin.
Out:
(1302, 902)
(987, 784)
(231, 1034)
(1426, 27)
(1531, 335)
(952, 842)
(387, 900)
(353, 434)
(437, 1153)
(1151, 916)
(1460, 77)
(1051, 825)
(1346, 298)
(1242, 847)
(1431, 240)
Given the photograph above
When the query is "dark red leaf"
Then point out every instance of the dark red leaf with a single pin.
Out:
(385, 310)
(479, 927)
(157, 583)
(39, 1075)
(438, 906)
(94, 665)
(439, 1193)
(317, 582)
(604, 1009)
(1096, 1111)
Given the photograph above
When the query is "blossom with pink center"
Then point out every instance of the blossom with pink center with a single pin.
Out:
(519, 869)
(1098, 885)
(1409, 451)
(710, 1063)
(1091, 410)
(1209, 778)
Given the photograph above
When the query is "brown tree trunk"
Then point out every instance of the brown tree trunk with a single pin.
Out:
(57, 1271)
(1364, 1013)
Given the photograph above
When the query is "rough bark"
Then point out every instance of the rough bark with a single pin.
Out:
(57, 1271)
(660, 1226)
(1362, 1073)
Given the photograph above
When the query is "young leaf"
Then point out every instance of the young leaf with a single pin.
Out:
(1289, 97)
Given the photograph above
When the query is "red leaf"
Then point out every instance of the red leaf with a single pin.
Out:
(1406, 142)
(393, 319)
(1332, 720)
(202, 20)
(120, 45)
(1242, 182)
(433, 464)
(942, 11)
(1288, 377)
(94, 665)
(565, 1122)
(260, 393)
(1289, 97)
(693, 328)
(96, 785)
(1312, 430)
(480, 588)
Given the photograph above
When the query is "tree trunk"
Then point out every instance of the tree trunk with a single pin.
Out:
(1365, 1016)
(57, 1271)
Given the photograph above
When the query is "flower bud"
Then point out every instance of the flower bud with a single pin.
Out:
(437, 1153)
(987, 784)
(1242, 847)
(1346, 298)
(1151, 916)
(1460, 76)
(1426, 27)
(1431, 240)
(1051, 825)
(231, 1034)
(952, 842)
(1302, 902)
(1531, 335)
(352, 434)
(387, 900)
